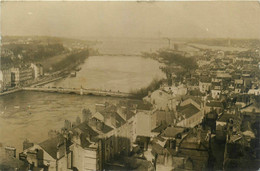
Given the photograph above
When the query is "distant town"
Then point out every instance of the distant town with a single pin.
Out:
(28, 61)
(204, 115)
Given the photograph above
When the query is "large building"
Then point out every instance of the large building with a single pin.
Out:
(136, 130)
(20, 76)
(37, 70)
(5, 79)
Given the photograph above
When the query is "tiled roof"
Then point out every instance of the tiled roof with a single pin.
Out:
(172, 131)
(84, 127)
(214, 104)
(188, 110)
(194, 98)
(159, 128)
(50, 145)
(225, 117)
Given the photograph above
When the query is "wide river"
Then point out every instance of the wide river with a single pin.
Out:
(117, 73)
(30, 115)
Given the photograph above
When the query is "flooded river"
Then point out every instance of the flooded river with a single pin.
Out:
(116, 73)
(32, 114)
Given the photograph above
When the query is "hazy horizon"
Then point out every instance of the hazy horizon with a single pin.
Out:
(83, 20)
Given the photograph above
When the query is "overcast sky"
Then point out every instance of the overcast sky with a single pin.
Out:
(132, 19)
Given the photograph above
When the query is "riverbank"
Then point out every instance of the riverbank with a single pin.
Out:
(39, 82)
(142, 92)
(11, 91)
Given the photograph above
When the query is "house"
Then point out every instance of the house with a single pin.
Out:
(77, 148)
(161, 99)
(187, 152)
(8, 160)
(216, 105)
(189, 116)
(172, 132)
(254, 91)
(45, 154)
(159, 117)
(221, 125)
(215, 93)
(176, 90)
(195, 146)
(84, 148)
(247, 130)
(216, 90)
(135, 131)
(204, 84)
(196, 101)
(21, 75)
(210, 121)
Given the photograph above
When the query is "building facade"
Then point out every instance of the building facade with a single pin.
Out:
(37, 70)
(5, 79)
(20, 76)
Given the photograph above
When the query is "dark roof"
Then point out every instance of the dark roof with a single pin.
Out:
(119, 119)
(194, 98)
(188, 110)
(106, 129)
(195, 92)
(50, 145)
(84, 141)
(157, 149)
(172, 131)
(132, 104)
(212, 115)
(85, 128)
(115, 115)
(214, 104)
(129, 114)
(144, 106)
(225, 117)
(95, 122)
(159, 128)
(205, 79)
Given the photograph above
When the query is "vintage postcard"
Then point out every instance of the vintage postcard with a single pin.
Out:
(137, 85)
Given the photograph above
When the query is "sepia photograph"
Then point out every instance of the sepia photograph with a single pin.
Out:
(129, 85)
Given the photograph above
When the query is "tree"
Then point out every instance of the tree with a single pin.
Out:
(78, 120)
(67, 124)
(86, 115)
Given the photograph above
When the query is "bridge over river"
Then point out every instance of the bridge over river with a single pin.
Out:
(81, 91)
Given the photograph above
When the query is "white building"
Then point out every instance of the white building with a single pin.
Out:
(37, 70)
(21, 75)
(162, 100)
(5, 79)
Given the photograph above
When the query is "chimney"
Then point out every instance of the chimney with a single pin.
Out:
(27, 144)
(10, 151)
